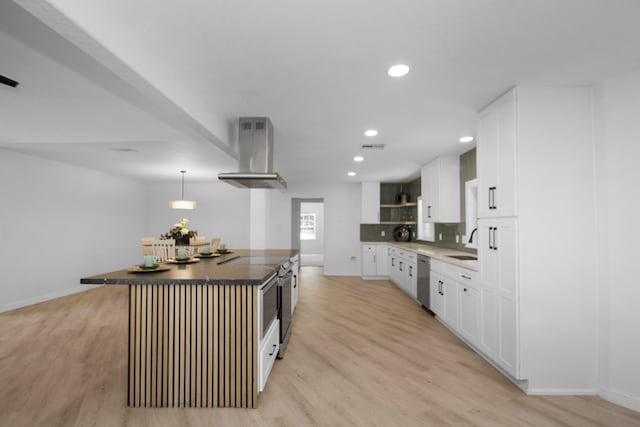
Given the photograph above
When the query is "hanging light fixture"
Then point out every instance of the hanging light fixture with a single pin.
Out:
(182, 203)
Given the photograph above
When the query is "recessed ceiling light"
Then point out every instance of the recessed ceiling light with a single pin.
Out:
(358, 158)
(371, 132)
(466, 139)
(398, 70)
(351, 174)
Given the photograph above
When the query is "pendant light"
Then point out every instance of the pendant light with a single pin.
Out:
(182, 203)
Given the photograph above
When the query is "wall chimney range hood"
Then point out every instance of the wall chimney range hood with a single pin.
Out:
(255, 156)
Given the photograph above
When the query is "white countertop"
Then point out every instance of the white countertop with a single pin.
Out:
(433, 252)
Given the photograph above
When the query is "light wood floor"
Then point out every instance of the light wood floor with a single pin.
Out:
(361, 353)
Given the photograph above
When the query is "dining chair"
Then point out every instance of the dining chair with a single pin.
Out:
(146, 242)
(195, 243)
(164, 249)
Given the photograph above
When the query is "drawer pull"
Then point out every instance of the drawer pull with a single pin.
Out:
(464, 276)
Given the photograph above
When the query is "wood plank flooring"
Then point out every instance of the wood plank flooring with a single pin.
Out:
(361, 354)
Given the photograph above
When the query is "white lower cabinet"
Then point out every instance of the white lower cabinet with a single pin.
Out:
(470, 307)
(268, 352)
(369, 260)
(455, 299)
(374, 261)
(497, 254)
(403, 270)
(381, 260)
(435, 292)
(412, 279)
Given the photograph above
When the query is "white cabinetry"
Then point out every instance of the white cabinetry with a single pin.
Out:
(374, 261)
(402, 270)
(498, 255)
(441, 190)
(537, 274)
(369, 260)
(470, 306)
(497, 155)
(381, 260)
(370, 203)
(269, 346)
(455, 299)
(444, 301)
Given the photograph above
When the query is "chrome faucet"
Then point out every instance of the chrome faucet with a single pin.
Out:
(471, 236)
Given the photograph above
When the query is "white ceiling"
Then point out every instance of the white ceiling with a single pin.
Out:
(171, 80)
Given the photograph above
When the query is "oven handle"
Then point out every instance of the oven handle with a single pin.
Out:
(271, 281)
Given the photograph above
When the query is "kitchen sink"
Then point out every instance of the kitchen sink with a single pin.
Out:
(464, 257)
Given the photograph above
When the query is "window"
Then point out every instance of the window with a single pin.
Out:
(307, 226)
(426, 230)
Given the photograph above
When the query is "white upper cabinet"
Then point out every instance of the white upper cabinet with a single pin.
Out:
(496, 153)
(370, 203)
(441, 190)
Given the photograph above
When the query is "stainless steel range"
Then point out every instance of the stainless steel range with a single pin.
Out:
(285, 275)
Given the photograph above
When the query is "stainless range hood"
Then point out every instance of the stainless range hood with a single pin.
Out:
(255, 156)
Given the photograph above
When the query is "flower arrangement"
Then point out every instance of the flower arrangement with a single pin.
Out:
(180, 233)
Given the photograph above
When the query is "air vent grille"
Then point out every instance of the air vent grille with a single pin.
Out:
(246, 125)
(373, 146)
(260, 125)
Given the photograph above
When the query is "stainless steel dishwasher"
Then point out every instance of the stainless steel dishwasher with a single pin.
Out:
(424, 268)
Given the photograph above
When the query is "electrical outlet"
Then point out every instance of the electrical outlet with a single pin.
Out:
(382, 233)
(439, 236)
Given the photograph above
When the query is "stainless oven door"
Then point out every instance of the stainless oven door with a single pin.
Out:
(284, 312)
(269, 303)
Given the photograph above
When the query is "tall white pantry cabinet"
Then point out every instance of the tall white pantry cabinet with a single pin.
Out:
(536, 238)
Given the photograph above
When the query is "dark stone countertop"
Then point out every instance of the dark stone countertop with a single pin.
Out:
(205, 272)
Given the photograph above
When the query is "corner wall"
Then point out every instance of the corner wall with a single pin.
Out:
(617, 153)
(59, 223)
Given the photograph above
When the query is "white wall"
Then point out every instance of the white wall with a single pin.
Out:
(60, 223)
(222, 210)
(342, 223)
(617, 118)
(557, 312)
(315, 246)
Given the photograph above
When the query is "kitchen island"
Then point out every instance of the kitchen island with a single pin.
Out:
(194, 330)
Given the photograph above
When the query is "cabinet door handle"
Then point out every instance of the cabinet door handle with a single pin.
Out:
(393, 262)
(490, 236)
(495, 231)
(464, 289)
(375, 260)
(492, 197)
(274, 350)
(411, 271)
(428, 211)
(400, 266)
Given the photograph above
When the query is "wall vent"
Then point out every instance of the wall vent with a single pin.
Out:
(373, 146)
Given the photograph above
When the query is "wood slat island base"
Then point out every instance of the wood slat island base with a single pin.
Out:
(194, 330)
(193, 346)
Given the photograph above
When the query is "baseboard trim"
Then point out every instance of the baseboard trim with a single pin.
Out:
(46, 297)
(628, 401)
(562, 391)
